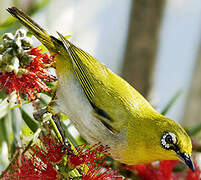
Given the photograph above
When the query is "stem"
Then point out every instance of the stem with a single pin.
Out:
(56, 130)
(19, 105)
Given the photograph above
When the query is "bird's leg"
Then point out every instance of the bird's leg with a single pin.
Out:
(38, 115)
(57, 121)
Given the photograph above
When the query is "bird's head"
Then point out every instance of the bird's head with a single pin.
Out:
(155, 137)
(175, 141)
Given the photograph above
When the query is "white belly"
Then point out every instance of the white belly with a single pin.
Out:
(73, 102)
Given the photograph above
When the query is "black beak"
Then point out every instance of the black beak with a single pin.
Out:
(187, 159)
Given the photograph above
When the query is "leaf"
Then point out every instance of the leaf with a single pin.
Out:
(31, 123)
(3, 130)
(42, 48)
(8, 22)
(68, 135)
(16, 126)
(26, 131)
(19, 105)
(4, 105)
(81, 140)
(195, 130)
(171, 103)
(43, 101)
(3, 94)
(35, 7)
(68, 36)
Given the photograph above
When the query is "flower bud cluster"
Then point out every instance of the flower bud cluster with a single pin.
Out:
(14, 52)
(23, 69)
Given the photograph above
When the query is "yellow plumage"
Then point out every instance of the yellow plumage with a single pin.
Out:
(105, 108)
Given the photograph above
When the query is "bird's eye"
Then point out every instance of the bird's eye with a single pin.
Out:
(168, 140)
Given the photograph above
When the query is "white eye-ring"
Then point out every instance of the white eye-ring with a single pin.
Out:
(168, 140)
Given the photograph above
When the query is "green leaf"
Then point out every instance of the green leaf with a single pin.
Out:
(31, 123)
(68, 135)
(4, 107)
(16, 126)
(19, 105)
(171, 103)
(42, 48)
(3, 130)
(35, 7)
(43, 101)
(195, 130)
(3, 93)
(68, 36)
(26, 131)
(81, 140)
(8, 22)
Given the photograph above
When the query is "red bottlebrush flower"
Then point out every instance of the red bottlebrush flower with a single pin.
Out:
(85, 154)
(32, 80)
(163, 172)
(23, 168)
(23, 69)
(194, 175)
(166, 168)
(38, 161)
(51, 150)
(99, 171)
(93, 158)
(31, 168)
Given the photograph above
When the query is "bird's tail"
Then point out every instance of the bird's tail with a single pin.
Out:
(36, 30)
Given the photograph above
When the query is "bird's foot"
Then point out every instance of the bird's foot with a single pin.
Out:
(38, 115)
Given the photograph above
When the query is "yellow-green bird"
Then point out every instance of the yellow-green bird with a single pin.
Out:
(107, 109)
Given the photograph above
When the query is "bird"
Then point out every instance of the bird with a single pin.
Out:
(106, 109)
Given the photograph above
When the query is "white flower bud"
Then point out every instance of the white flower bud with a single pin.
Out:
(20, 33)
(7, 55)
(26, 43)
(1, 48)
(9, 68)
(22, 71)
(17, 43)
(7, 43)
(26, 59)
(15, 64)
(1, 60)
(8, 36)
(20, 52)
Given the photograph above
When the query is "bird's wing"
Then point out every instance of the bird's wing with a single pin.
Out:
(87, 85)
